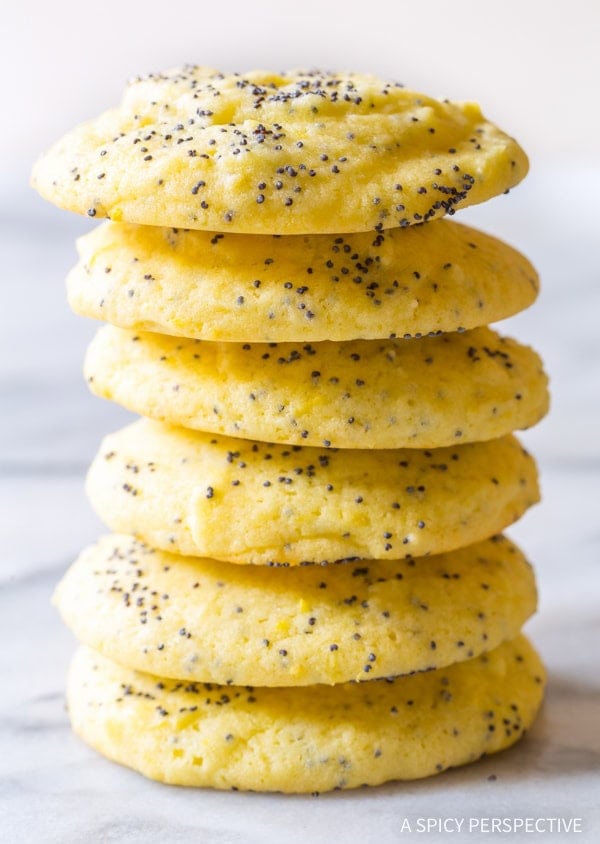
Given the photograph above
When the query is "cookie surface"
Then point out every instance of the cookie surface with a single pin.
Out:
(275, 626)
(360, 394)
(252, 288)
(249, 502)
(306, 739)
(264, 153)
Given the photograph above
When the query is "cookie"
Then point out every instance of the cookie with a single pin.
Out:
(265, 153)
(252, 288)
(209, 621)
(360, 394)
(306, 739)
(252, 502)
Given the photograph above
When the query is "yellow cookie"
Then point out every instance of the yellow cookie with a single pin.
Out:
(252, 502)
(244, 288)
(199, 619)
(361, 394)
(306, 739)
(268, 153)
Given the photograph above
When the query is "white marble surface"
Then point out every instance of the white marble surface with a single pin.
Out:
(54, 789)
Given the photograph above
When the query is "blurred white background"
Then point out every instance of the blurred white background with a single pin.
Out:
(533, 64)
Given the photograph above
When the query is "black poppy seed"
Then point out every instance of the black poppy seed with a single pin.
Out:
(209, 492)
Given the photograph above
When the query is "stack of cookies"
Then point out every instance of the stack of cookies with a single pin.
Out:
(307, 587)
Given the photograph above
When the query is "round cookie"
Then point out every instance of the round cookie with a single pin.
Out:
(289, 153)
(307, 739)
(360, 394)
(209, 621)
(252, 288)
(252, 502)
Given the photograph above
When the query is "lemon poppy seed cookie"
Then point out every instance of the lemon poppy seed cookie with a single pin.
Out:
(198, 619)
(288, 153)
(360, 394)
(306, 739)
(253, 288)
(251, 502)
